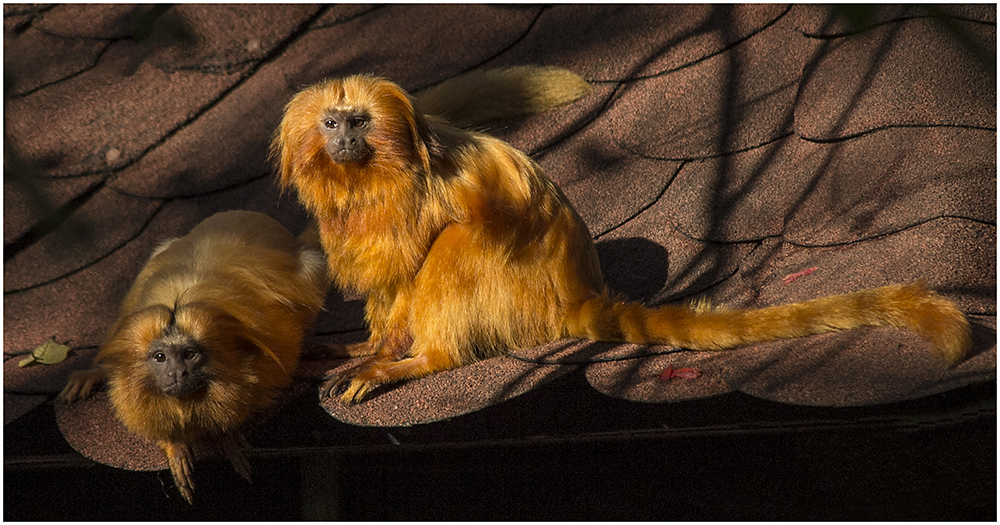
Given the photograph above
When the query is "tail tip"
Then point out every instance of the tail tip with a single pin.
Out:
(954, 345)
(945, 326)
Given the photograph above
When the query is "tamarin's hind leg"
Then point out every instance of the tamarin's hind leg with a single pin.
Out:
(388, 350)
(365, 348)
(233, 445)
(391, 337)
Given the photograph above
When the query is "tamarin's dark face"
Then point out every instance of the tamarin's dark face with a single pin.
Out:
(345, 132)
(337, 129)
(176, 362)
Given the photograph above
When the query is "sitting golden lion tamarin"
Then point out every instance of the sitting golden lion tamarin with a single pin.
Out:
(207, 335)
(464, 249)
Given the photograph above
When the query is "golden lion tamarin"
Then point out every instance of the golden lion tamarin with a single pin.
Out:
(207, 335)
(464, 249)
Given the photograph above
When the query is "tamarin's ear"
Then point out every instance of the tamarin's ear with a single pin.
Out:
(423, 139)
(280, 153)
(296, 136)
(280, 158)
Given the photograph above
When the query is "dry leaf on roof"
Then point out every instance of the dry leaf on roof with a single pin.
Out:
(48, 353)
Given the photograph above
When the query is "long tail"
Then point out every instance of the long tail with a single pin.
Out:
(480, 96)
(912, 306)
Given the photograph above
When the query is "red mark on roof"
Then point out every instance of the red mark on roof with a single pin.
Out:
(793, 276)
(683, 373)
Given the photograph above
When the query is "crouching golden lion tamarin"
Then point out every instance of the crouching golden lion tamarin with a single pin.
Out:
(207, 335)
(464, 249)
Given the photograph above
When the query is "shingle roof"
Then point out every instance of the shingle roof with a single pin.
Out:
(723, 148)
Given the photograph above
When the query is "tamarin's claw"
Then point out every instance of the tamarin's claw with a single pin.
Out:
(345, 384)
(356, 391)
(335, 385)
(338, 382)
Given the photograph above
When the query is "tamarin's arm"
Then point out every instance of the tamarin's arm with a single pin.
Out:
(181, 463)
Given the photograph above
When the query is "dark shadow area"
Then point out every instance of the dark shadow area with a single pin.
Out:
(634, 267)
(731, 457)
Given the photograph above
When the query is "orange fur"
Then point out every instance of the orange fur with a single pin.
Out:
(246, 290)
(483, 95)
(905, 306)
(464, 249)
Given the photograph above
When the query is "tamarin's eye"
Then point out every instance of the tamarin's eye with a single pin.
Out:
(330, 123)
(358, 122)
(159, 357)
(190, 354)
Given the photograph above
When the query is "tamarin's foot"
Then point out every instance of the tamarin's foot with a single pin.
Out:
(355, 383)
(345, 385)
(233, 445)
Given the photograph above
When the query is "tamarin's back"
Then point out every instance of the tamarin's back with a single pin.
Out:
(235, 253)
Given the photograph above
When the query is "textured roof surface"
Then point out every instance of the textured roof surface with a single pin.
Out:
(723, 149)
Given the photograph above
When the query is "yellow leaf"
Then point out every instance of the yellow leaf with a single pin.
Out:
(50, 352)
(26, 361)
